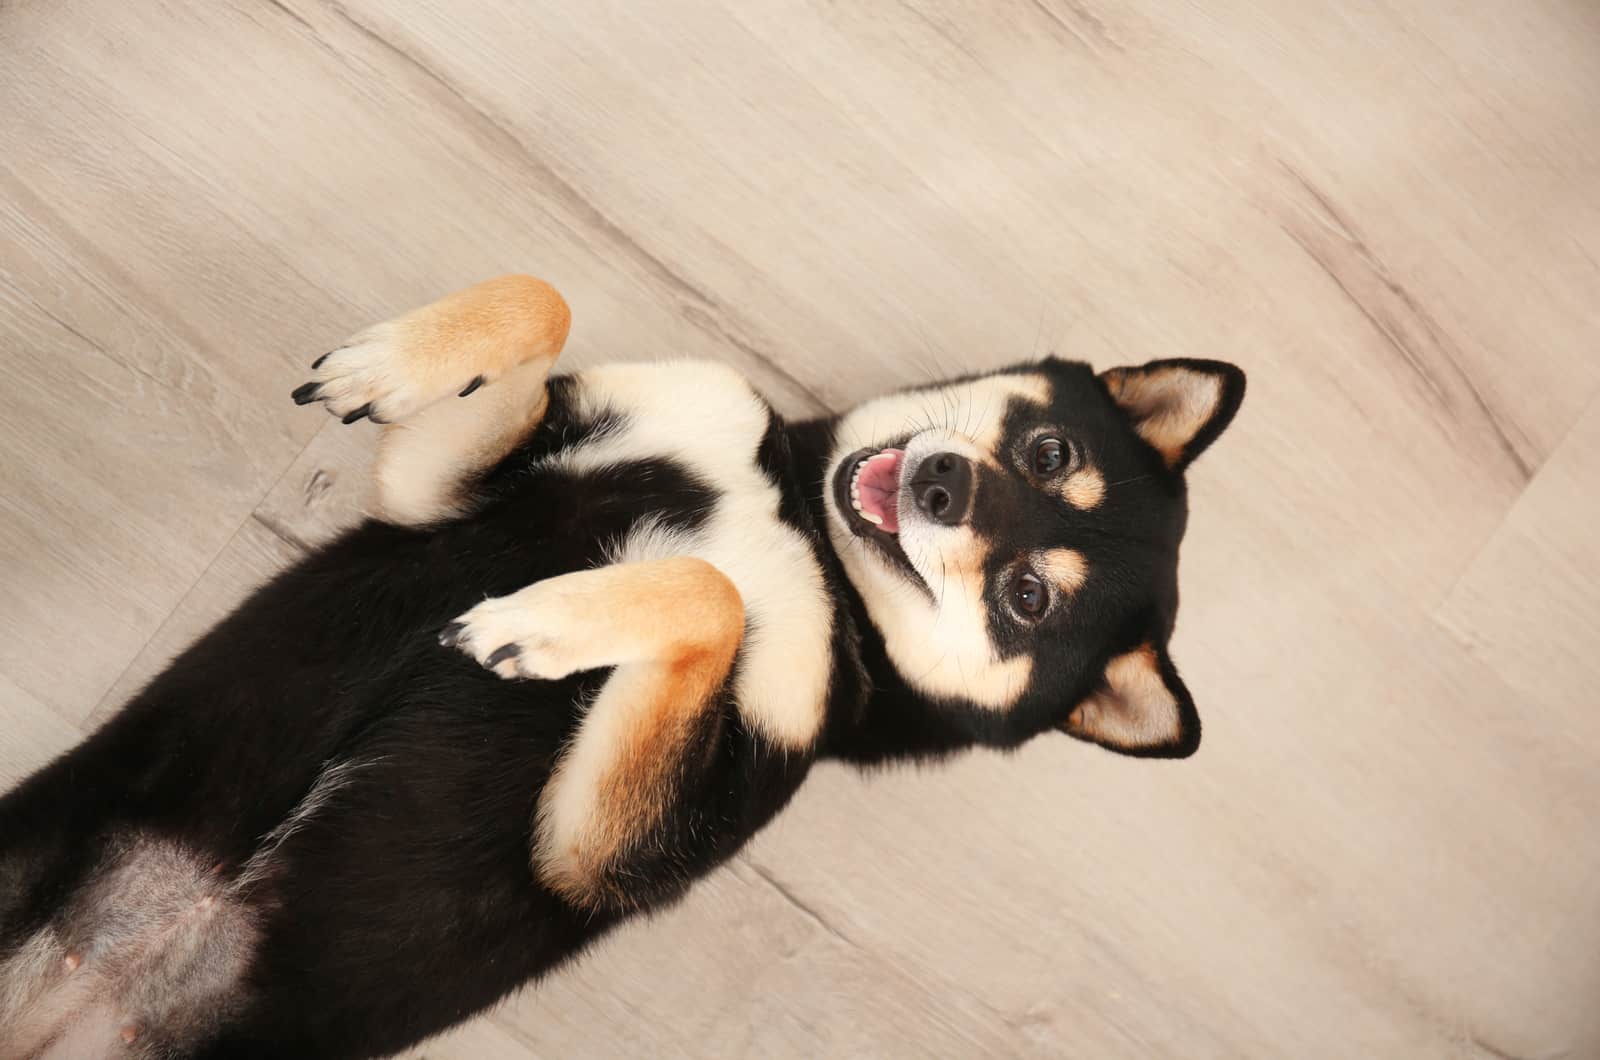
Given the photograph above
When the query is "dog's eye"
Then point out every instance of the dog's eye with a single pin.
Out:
(1027, 594)
(1049, 456)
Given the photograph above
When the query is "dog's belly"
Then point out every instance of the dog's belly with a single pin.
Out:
(406, 899)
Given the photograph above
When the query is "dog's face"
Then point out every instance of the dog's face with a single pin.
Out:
(1014, 537)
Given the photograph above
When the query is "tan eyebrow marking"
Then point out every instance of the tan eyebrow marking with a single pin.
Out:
(1085, 488)
(1065, 568)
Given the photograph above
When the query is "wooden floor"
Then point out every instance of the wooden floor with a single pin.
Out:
(1388, 212)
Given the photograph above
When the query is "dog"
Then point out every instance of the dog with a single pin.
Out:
(597, 633)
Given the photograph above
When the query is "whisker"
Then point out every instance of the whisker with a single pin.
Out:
(932, 352)
(984, 417)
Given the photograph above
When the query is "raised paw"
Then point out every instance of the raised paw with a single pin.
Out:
(519, 636)
(382, 374)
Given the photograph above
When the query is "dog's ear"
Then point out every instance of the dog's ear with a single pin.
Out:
(1140, 708)
(1178, 406)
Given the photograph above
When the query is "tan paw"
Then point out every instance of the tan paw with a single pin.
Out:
(378, 374)
(528, 634)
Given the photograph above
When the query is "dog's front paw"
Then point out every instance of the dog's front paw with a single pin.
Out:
(382, 375)
(518, 636)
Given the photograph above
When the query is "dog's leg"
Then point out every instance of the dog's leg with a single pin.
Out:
(493, 344)
(671, 628)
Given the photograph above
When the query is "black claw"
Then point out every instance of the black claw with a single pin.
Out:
(477, 381)
(305, 393)
(501, 654)
(450, 635)
(359, 414)
(318, 362)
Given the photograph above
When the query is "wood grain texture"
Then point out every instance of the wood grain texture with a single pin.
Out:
(34, 734)
(1388, 213)
(248, 560)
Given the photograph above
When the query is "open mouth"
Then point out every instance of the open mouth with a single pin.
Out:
(866, 488)
(875, 489)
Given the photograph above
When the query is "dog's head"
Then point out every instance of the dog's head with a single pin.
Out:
(1014, 538)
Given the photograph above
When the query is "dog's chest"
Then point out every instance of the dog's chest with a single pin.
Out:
(706, 418)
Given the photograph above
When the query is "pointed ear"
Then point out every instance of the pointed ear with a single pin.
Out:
(1178, 406)
(1141, 708)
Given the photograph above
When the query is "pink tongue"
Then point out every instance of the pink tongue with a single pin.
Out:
(880, 488)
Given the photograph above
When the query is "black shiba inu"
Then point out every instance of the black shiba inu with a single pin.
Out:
(601, 630)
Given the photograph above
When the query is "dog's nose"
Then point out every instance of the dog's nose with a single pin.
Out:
(942, 487)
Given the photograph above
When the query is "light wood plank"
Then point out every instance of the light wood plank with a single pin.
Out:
(34, 734)
(1361, 838)
(327, 489)
(776, 981)
(98, 455)
(252, 556)
(1526, 606)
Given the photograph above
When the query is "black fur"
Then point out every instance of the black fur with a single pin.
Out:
(409, 902)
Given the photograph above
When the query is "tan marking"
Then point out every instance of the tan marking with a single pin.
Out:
(671, 628)
(1169, 405)
(1084, 488)
(945, 650)
(1065, 568)
(687, 619)
(636, 791)
(785, 661)
(614, 615)
(509, 331)
(487, 329)
(1134, 709)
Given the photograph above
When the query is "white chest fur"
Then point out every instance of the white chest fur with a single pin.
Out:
(707, 418)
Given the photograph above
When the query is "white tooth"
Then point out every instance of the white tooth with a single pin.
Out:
(869, 517)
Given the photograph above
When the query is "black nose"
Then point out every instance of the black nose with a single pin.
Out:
(942, 487)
